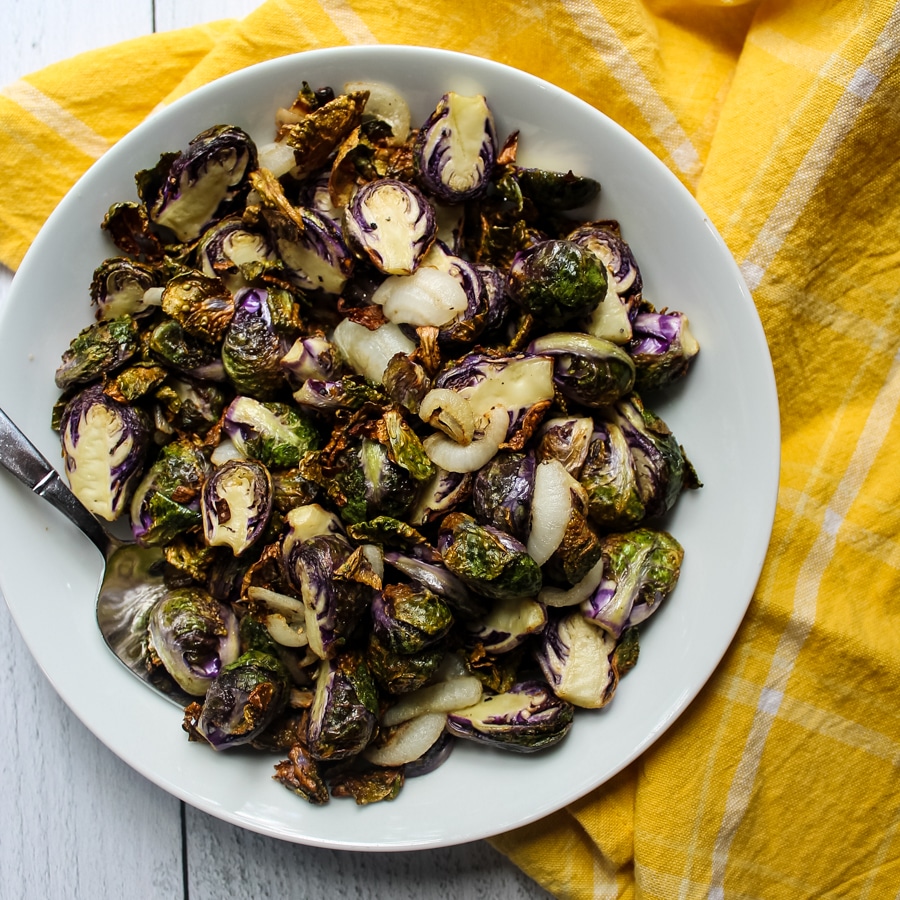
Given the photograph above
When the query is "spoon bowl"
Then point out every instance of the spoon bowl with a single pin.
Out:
(132, 577)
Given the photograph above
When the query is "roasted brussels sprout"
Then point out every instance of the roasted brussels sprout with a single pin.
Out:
(456, 148)
(566, 439)
(236, 503)
(640, 569)
(401, 673)
(190, 406)
(487, 560)
(527, 717)
(99, 349)
(586, 369)
(609, 478)
(371, 483)
(604, 240)
(300, 773)
(122, 286)
(229, 251)
(407, 619)
(181, 352)
(104, 443)
(432, 574)
(556, 191)
(166, 503)
(507, 625)
(311, 357)
(344, 713)
(557, 282)
(241, 701)
(662, 348)
(442, 493)
(391, 225)
(502, 492)
(202, 306)
(274, 433)
(185, 191)
(194, 636)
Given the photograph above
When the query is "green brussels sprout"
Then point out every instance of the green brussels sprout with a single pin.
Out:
(167, 500)
(203, 306)
(409, 619)
(401, 673)
(191, 407)
(557, 282)
(174, 347)
(274, 433)
(99, 349)
(368, 786)
(556, 191)
(489, 561)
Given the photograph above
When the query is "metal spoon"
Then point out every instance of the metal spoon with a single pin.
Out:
(132, 580)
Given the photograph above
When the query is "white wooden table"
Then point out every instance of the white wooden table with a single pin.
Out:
(75, 821)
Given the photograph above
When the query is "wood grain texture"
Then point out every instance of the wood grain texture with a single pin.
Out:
(79, 824)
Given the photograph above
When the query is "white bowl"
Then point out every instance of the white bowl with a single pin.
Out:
(725, 414)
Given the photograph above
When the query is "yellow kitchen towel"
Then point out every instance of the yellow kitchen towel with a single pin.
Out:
(783, 117)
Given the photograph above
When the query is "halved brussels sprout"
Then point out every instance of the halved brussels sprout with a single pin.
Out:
(236, 504)
(507, 625)
(566, 439)
(609, 477)
(408, 620)
(604, 240)
(502, 493)
(662, 348)
(311, 357)
(557, 281)
(432, 574)
(276, 434)
(587, 369)
(526, 718)
(184, 192)
(487, 560)
(390, 224)
(640, 569)
(344, 712)
(122, 286)
(456, 148)
(202, 306)
(371, 483)
(194, 636)
(442, 493)
(241, 702)
(99, 349)
(229, 251)
(167, 500)
(104, 443)
(576, 659)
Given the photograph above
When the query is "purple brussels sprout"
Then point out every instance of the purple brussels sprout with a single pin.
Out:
(186, 191)
(241, 702)
(236, 504)
(507, 625)
(408, 619)
(498, 300)
(576, 658)
(609, 478)
(640, 569)
(586, 369)
(311, 357)
(605, 242)
(230, 251)
(526, 718)
(122, 286)
(443, 492)
(390, 224)
(662, 348)
(424, 567)
(456, 148)
(566, 439)
(104, 443)
(502, 492)
(194, 636)
(276, 434)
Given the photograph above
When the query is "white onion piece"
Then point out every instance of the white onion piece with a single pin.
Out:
(279, 158)
(375, 557)
(226, 449)
(609, 320)
(551, 509)
(447, 454)
(368, 352)
(277, 603)
(153, 296)
(449, 412)
(411, 740)
(282, 632)
(442, 697)
(427, 297)
(387, 104)
(554, 596)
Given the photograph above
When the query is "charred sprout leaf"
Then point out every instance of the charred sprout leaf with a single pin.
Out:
(99, 349)
(236, 503)
(188, 556)
(317, 135)
(586, 369)
(291, 489)
(129, 227)
(496, 672)
(194, 357)
(409, 619)
(502, 492)
(640, 569)
(241, 702)
(556, 191)
(253, 348)
(385, 530)
(401, 673)
(405, 448)
(167, 501)
(604, 240)
(122, 286)
(300, 773)
(391, 225)
(104, 443)
(194, 636)
(662, 348)
(203, 306)
(370, 786)
(557, 282)
(406, 382)
(135, 382)
(576, 659)
(184, 193)
(456, 148)
(609, 479)
(526, 718)
(190, 406)
(276, 434)
(487, 560)
(344, 713)
(627, 650)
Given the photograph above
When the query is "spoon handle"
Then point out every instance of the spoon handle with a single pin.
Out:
(20, 457)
